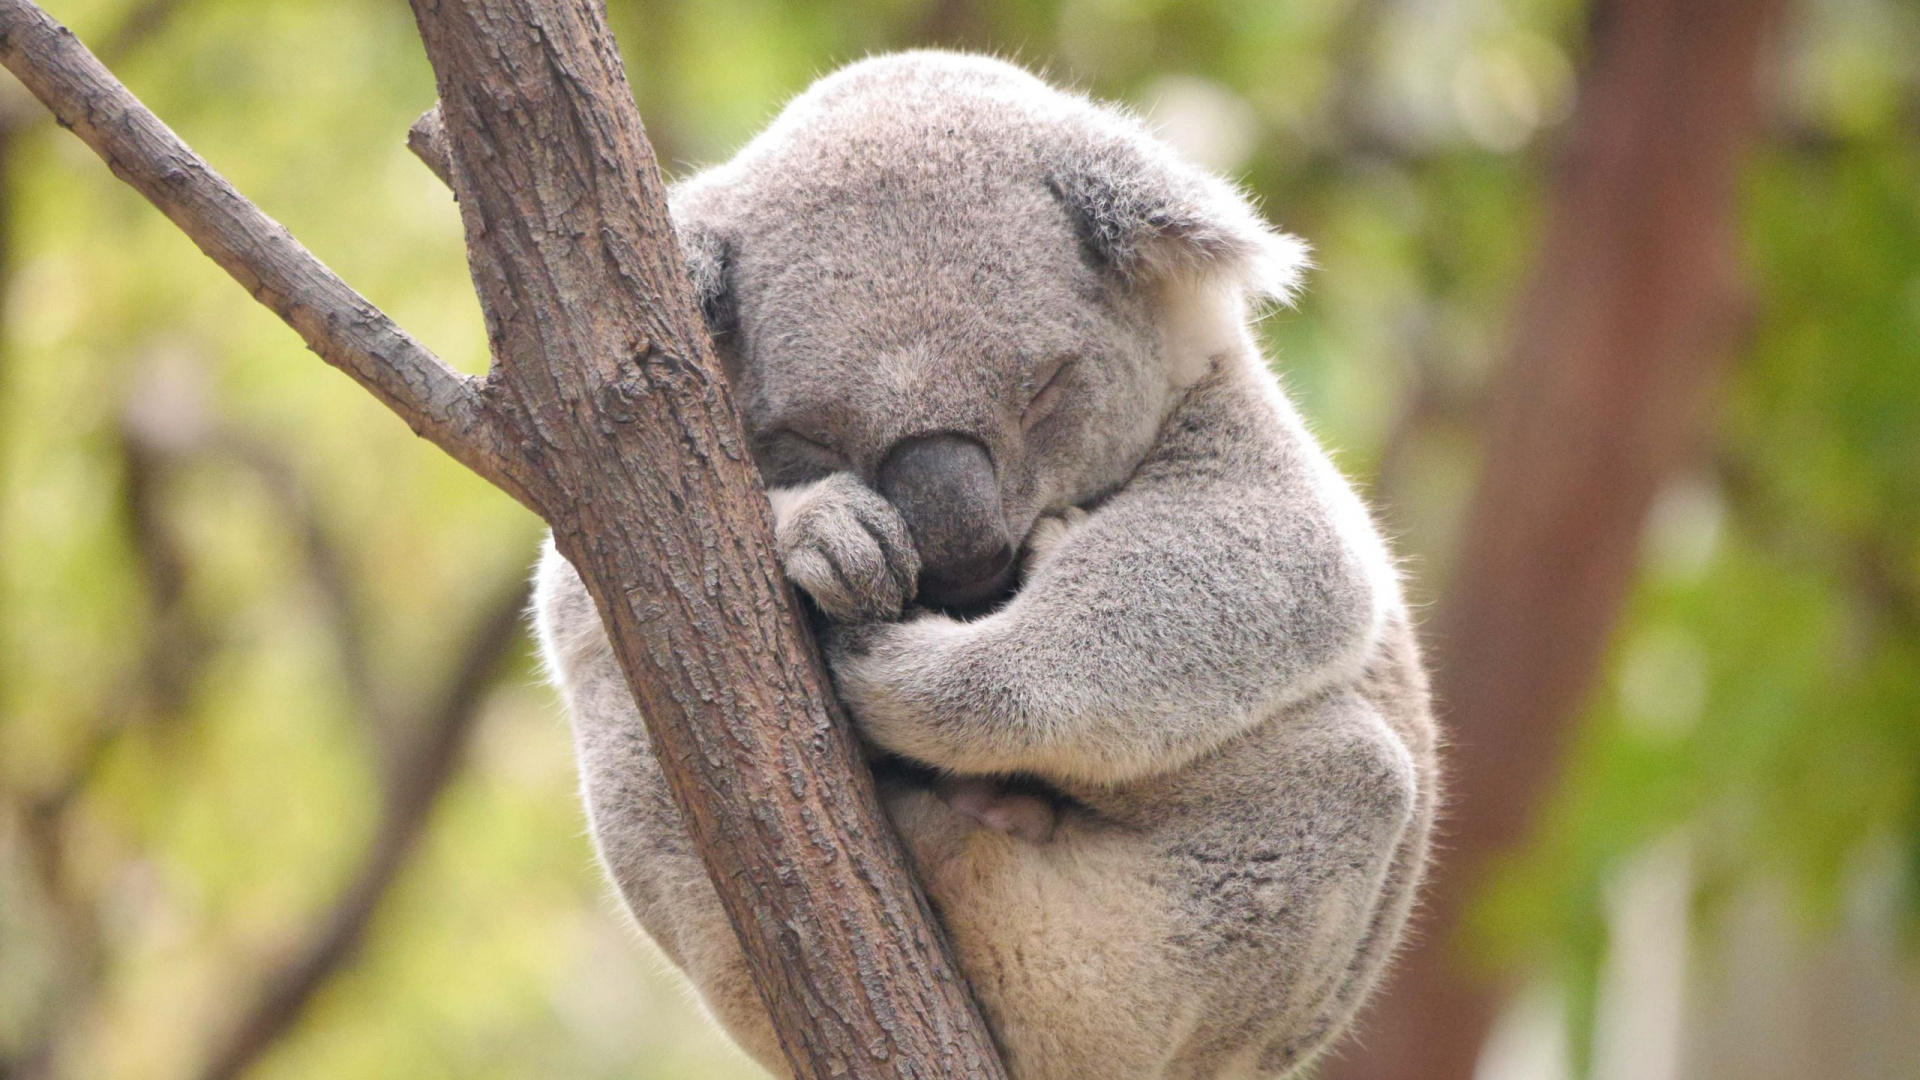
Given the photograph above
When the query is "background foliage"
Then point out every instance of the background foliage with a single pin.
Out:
(232, 586)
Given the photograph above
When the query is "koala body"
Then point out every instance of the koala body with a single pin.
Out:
(1143, 695)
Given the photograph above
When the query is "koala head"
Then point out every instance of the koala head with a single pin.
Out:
(980, 294)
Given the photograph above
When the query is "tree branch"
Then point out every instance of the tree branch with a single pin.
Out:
(326, 566)
(607, 414)
(604, 357)
(427, 138)
(335, 321)
(175, 649)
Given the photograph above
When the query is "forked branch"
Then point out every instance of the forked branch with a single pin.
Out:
(607, 415)
(653, 496)
(335, 321)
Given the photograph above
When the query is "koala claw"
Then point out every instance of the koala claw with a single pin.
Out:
(849, 549)
(1044, 541)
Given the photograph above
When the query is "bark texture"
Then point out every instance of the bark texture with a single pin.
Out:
(1634, 304)
(605, 412)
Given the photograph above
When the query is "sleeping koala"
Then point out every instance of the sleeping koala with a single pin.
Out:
(1133, 661)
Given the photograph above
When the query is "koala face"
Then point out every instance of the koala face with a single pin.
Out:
(934, 272)
(975, 375)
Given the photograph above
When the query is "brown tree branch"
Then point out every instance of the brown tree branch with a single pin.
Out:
(439, 740)
(427, 138)
(69, 928)
(174, 645)
(605, 358)
(1632, 308)
(607, 414)
(335, 321)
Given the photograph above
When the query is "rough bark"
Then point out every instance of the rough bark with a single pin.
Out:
(1632, 308)
(606, 413)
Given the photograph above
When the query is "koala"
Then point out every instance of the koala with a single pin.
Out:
(1133, 662)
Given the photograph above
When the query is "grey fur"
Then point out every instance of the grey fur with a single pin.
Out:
(1207, 668)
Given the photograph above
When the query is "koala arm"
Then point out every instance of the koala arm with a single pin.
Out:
(1236, 574)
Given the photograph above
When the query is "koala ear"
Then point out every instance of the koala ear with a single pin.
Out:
(1152, 217)
(709, 263)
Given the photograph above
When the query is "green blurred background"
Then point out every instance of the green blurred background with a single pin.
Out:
(253, 633)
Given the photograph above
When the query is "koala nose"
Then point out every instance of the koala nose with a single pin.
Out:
(944, 486)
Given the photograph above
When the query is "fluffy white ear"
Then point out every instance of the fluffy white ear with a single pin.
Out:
(708, 257)
(708, 253)
(1152, 216)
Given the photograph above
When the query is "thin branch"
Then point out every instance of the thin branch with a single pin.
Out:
(72, 933)
(336, 322)
(174, 644)
(427, 138)
(412, 790)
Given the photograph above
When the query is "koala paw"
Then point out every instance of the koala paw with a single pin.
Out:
(848, 548)
(1047, 535)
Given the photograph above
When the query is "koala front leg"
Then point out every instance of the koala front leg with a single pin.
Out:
(1235, 575)
(847, 547)
(1047, 536)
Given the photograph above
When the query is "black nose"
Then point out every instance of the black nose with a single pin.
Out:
(945, 487)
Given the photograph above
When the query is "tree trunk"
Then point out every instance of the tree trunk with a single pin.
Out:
(1634, 302)
(606, 413)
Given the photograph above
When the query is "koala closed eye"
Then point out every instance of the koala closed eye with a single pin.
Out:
(788, 458)
(1051, 389)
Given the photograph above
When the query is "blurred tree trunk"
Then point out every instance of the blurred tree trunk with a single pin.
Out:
(1634, 302)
